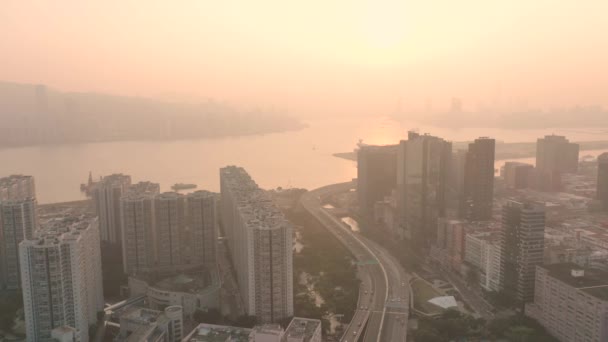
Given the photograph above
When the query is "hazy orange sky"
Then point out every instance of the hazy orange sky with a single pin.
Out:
(336, 55)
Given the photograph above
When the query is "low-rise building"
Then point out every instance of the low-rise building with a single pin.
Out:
(140, 324)
(220, 333)
(298, 330)
(571, 303)
(483, 252)
(450, 242)
(199, 290)
(303, 330)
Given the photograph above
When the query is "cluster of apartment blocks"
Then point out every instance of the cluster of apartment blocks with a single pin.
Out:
(57, 265)
(156, 231)
(260, 242)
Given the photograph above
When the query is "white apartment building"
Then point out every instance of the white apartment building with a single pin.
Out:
(61, 279)
(260, 241)
(18, 221)
(482, 250)
(571, 302)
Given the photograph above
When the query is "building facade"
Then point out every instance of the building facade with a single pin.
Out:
(423, 175)
(260, 242)
(518, 175)
(61, 279)
(521, 247)
(483, 252)
(571, 303)
(451, 242)
(18, 222)
(170, 227)
(602, 180)
(479, 180)
(17, 187)
(555, 155)
(202, 226)
(137, 222)
(106, 194)
(376, 175)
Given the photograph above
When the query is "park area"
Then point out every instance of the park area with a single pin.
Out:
(423, 292)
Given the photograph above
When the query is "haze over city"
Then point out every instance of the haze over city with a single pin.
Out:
(319, 171)
(315, 57)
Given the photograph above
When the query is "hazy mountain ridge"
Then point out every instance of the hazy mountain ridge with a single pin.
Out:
(36, 114)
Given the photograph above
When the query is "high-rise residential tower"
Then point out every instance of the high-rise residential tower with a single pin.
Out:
(423, 176)
(201, 222)
(522, 246)
(602, 180)
(479, 180)
(260, 241)
(18, 222)
(137, 220)
(376, 175)
(170, 228)
(106, 194)
(61, 279)
(555, 155)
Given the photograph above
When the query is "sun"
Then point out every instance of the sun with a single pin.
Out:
(384, 31)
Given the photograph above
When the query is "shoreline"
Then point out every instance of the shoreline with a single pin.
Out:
(506, 151)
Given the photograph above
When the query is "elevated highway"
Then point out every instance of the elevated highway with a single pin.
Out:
(382, 306)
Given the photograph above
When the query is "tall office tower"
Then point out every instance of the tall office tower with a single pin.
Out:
(260, 241)
(423, 175)
(137, 221)
(456, 183)
(376, 175)
(202, 228)
(170, 228)
(555, 155)
(479, 180)
(518, 175)
(522, 245)
(17, 187)
(106, 194)
(18, 223)
(61, 279)
(602, 180)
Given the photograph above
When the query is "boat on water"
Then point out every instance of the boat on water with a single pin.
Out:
(183, 186)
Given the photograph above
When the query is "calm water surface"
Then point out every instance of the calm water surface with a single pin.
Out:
(292, 159)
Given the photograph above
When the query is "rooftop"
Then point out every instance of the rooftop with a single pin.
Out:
(303, 328)
(218, 333)
(62, 229)
(187, 282)
(142, 189)
(255, 205)
(593, 282)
